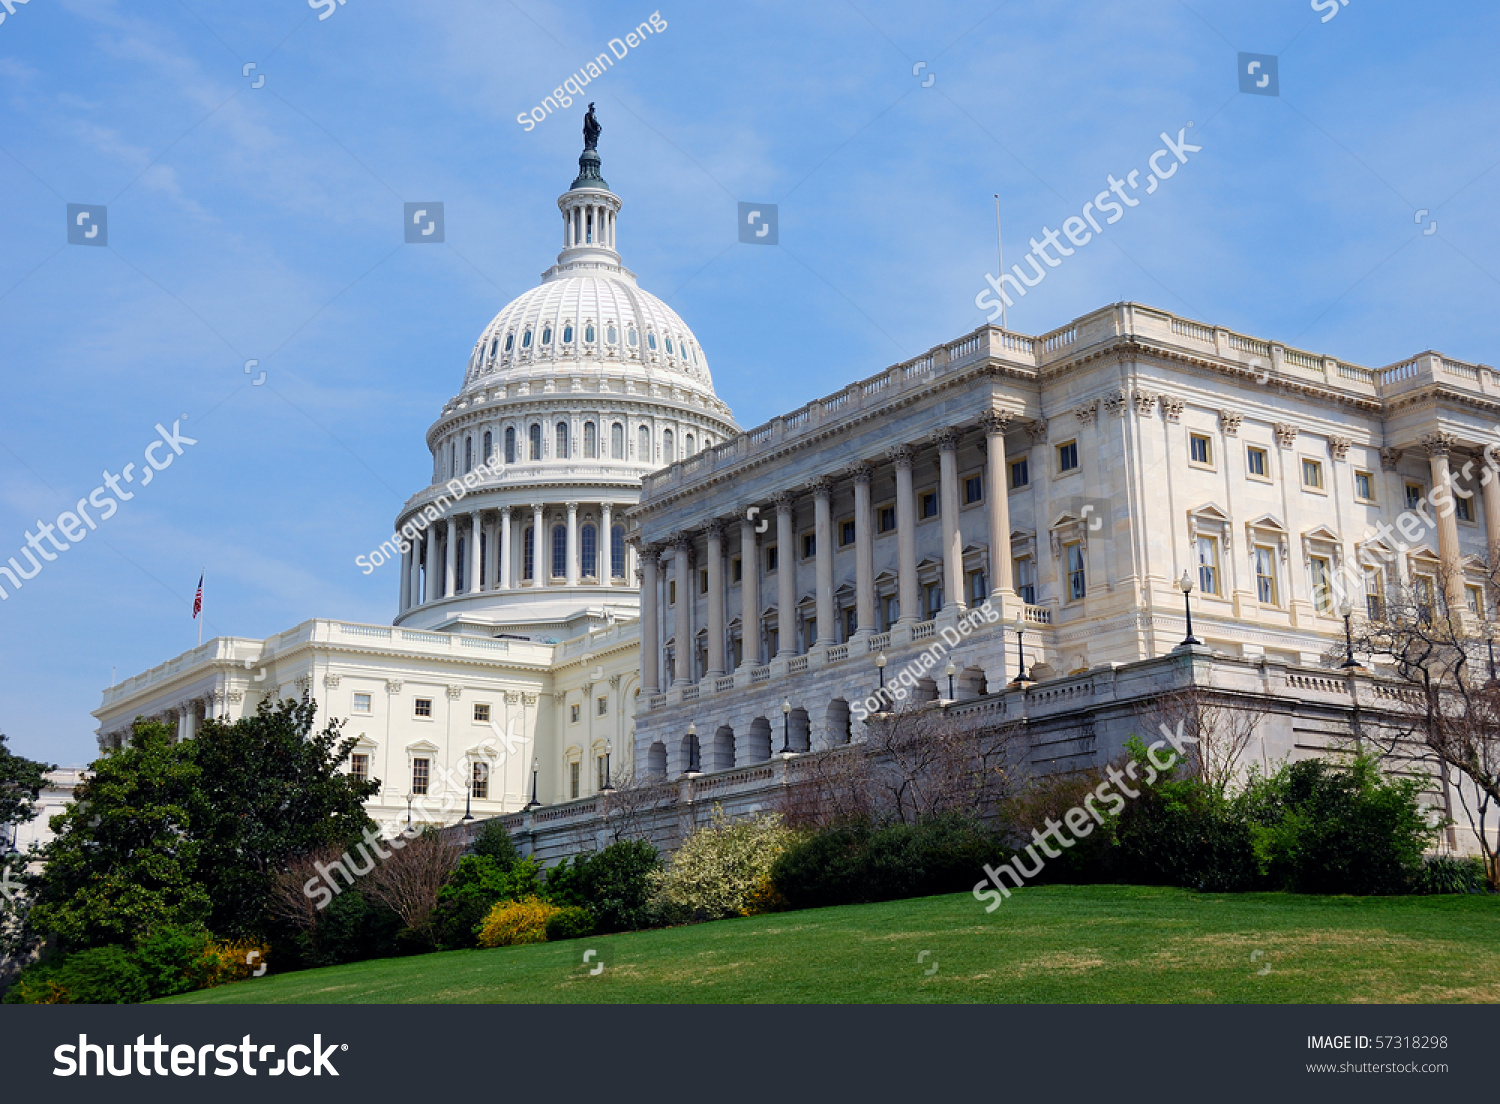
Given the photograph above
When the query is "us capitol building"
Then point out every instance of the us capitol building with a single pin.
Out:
(635, 585)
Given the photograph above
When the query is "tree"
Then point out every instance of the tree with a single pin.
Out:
(124, 860)
(21, 782)
(1217, 727)
(410, 880)
(269, 789)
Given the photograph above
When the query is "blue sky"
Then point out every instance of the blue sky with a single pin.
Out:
(265, 223)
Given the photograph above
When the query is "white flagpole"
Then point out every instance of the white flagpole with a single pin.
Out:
(1000, 249)
(201, 575)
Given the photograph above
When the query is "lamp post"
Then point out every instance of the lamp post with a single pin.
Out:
(880, 666)
(950, 671)
(1346, 611)
(692, 763)
(408, 810)
(468, 797)
(786, 727)
(1185, 584)
(608, 785)
(1020, 681)
(536, 765)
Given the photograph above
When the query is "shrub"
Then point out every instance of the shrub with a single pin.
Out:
(233, 960)
(569, 923)
(614, 884)
(478, 884)
(99, 975)
(494, 842)
(174, 959)
(1321, 828)
(511, 923)
(1450, 874)
(718, 869)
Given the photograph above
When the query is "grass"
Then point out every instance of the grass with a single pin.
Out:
(1102, 944)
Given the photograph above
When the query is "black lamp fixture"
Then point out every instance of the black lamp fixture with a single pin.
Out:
(536, 765)
(1021, 681)
(408, 809)
(608, 748)
(1185, 584)
(692, 763)
(950, 671)
(1346, 611)
(786, 727)
(880, 666)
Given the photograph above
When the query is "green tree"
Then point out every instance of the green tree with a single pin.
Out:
(21, 781)
(268, 790)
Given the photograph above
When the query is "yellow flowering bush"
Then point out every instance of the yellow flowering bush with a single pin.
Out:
(232, 960)
(722, 869)
(514, 922)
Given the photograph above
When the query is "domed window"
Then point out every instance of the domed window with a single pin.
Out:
(526, 340)
(510, 342)
(489, 446)
(562, 441)
(589, 549)
(643, 444)
(528, 546)
(510, 444)
(612, 335)
(546, 335)
(669, 346)
(668, 447)
(617, 441)
(617, 552)
(559, 551)
(468, 454)
(651, 341)
(568, 334)
(536, 441)
(588, 333)
(630, 337)
(590, 441)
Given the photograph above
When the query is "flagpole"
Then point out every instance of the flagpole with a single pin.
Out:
(200, 617)
(1000, 249)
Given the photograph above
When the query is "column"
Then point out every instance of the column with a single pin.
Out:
(906, 535)
(503, 574)
(475, 530)
(414, 584)
(786, 577)
(997, 503)
(632, 561)
(450, 550)
(650, 649)
(682, 551)
(605, 568)
(749, 595)
(823, 559)
(429, 567)
(1390, 459)
(864, 553)
(953, 539)
(1491, 458)
(716, 664)
(572, 570)
(538, 569)
(1438, 446)
(406, 557)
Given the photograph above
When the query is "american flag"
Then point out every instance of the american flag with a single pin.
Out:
(198, 599)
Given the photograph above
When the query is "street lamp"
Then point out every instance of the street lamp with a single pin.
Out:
(608, 748)
(1021, 681)
(1185, 584)
(880, 666)
(408, 809)
(692, 763)
(536, 765)
(1346, 611)
(786, 727)
(950, 671)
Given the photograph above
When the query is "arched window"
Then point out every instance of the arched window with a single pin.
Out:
(510, 444)
(668, 447)
(617, 552)
(588, 333)
(568, 334)
(526, 340)
(630, 337)
(617, 442)
(468, 454)
(561, 440)
(643, 444)
(536, 441)
(559, 550)
(489, 446)
(452, 460)
(510, 342)
(689, 443)
(669, 346)
(612, 335)
(546, 335)
(693, 352)
(528, 566)
(589, 546)
(590, 441)
(651, 341)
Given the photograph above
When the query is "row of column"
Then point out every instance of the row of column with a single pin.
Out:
(424, 579)
(1439, 446)
(994, 427)
(589, 224)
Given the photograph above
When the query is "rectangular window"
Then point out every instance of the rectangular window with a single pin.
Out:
(1077, 582)
(601, 706)
(1426, 598)
(978, 588)
(1312, 474)
(1414, 493)
(809, 545)
(480, 782)
(1364, 486)
(809, 632)
(928, 505)
(1067, 457)
(422, 707)
(1208, 565)
(575, 770)
(359, 767)
(973, 490)
(851, 623)
(846, 533)
(419, 776)
(1374, 593)
(573, 713)
(773, 641)
(1020, 474)
(932, 596)
(361, 703)
(601, 765)
(770, 559)
(887, 519)
(737, 650)
(1200, 450)
(1025, 570)
(672, 592)
(1257, 463)
(1474, 596)
(890, 610)
(482, 712)
(1322, 588)
(1265, 575)
(736, 570)
(1463, 508)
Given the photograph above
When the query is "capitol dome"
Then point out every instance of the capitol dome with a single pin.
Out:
(575, 391)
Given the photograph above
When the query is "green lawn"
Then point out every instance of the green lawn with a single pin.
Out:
(1112, 944)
